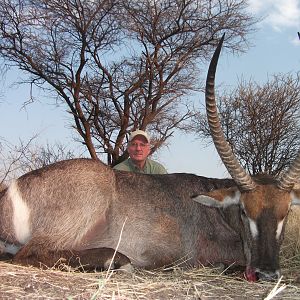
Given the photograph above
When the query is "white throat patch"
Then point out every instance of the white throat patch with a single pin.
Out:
(253, 228)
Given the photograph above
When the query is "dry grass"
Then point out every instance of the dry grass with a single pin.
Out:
(30, 283)
(17, 282)
(291, 245)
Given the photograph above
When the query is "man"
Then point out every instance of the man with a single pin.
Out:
(139, 149)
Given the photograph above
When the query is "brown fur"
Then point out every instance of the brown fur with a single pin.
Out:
(266, 196)
(81, 204)
(220, 194)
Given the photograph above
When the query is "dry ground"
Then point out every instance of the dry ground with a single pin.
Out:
(17, 282)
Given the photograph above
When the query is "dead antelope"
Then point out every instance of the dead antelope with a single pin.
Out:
(83, 208)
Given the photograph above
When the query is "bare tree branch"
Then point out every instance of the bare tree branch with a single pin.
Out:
(27, 156)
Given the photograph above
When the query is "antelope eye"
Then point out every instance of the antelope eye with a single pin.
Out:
(243, 212)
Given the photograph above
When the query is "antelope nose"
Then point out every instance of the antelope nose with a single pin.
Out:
(268, 275)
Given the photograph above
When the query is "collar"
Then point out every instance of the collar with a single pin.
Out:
(137, 169)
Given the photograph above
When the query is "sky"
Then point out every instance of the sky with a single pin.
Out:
(276, 49)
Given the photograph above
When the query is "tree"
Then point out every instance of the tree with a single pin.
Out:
(15, 160)
(261, 123)
(10, 157)
(119, 65)
(38, 156)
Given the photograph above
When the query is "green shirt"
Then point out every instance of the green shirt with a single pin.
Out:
(151, 167)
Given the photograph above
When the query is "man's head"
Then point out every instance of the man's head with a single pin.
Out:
(139, 147)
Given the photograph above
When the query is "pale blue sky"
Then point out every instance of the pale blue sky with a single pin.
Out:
(276, 50)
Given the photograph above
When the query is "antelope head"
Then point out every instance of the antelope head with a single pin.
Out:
(264, 204)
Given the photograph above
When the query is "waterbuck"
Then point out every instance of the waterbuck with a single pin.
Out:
(84, 208)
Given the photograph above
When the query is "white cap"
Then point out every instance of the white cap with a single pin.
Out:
(139, 132)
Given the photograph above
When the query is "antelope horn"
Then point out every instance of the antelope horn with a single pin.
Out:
(291, 176)
(237, 172)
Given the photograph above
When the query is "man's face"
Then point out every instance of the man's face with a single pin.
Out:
(139, 148)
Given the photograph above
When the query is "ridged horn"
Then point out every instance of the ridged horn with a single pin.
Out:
(237, 172)
(291, 176)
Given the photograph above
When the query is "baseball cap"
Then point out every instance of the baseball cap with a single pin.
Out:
(139, 132)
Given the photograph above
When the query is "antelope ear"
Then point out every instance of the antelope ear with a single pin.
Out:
(295, 194)
(219, 198)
